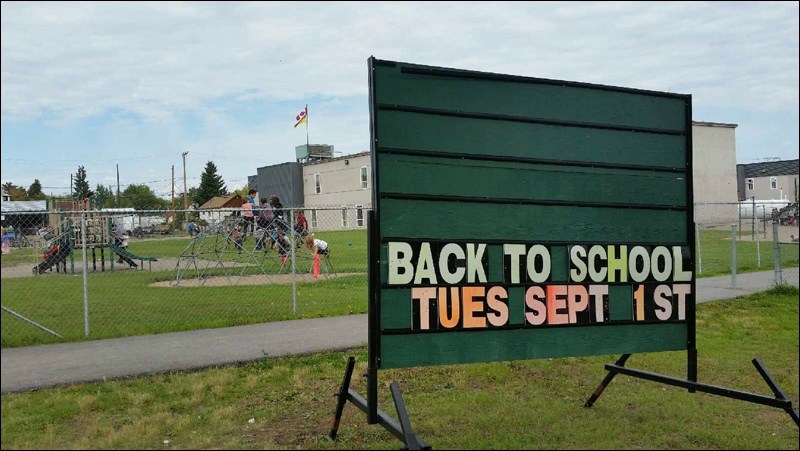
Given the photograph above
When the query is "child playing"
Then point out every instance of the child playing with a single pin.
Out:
(237, 238)
(6, 245)
(316, 245)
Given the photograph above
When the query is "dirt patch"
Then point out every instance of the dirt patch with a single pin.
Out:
(786, 233)
(260, 279)
(26, 269)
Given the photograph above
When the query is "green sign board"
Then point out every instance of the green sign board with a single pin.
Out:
(520, 218)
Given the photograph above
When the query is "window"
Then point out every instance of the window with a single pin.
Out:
(773, 183)
(314, 219)
(359, 216)
(363, 177)
(750, 184)
(317, 185)
(344, 217)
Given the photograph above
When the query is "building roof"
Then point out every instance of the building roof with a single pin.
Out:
(343, 157)
(222, 202)
(771, 168)
(714, 124)
(10, 206)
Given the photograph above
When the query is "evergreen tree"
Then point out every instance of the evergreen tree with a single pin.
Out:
(81, 185)
(35, 191)
(211, 185)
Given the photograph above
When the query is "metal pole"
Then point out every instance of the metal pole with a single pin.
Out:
(776, 254)
(740, 215)
(294, 277)
(117, 185)
(29, 321)
(172, 201)
(753, 222)
(185, 193)
(699, 251)
(758, 252)
(733, 256)
(85, 278)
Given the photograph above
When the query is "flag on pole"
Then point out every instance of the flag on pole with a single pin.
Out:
(302, 117)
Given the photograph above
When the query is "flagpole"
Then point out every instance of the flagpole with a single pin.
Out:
(308, 147)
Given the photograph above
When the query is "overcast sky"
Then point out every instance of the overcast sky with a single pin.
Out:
(137, 84)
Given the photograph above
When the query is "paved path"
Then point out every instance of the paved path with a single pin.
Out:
(34, 367)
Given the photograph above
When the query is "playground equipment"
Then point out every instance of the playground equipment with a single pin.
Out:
(227, 249)
(97, 237)
(59, 249)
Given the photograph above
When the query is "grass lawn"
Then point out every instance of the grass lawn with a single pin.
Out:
(715, 249)
(288, 403)
(123, 304)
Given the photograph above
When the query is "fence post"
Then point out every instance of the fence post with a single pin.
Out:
(85, 277)
(740, 214)
(733, 255)
(758, 251)
(776, 254)
(294, 267)
(753, 222)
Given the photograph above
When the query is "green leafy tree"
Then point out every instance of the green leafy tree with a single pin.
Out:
(211, 185)
(242, 191)
(15, 192)
(35, 191)
(141, 197)
(109, 201)
(81, 185)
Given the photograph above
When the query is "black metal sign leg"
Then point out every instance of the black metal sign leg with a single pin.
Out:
(348, 374)
(408, 435)
(606, 380)
(762, 370)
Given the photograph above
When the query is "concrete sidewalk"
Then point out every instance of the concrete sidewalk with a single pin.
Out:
(35, 367)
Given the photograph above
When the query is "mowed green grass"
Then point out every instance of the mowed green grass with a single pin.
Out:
(507, 405)
(716, 253)
(123, 304)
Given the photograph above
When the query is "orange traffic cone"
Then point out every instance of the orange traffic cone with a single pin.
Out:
(316, 266)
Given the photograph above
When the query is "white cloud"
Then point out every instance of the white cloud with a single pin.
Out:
(150, 66)
(162, 59)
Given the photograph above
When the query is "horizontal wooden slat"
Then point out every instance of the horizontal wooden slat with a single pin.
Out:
(431, 133)
(529, 99)
(487, 179)
(398, 351)
(542, 223)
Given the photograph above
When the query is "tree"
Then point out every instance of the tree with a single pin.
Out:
(211, 185)
(15, 192)
(141, 197)
(242, 191)
(81, 185)
(35, 191)
(107, 195)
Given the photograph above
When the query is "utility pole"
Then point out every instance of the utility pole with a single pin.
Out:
(185, 193)
(117, 184)
(173, 187)
(71, 193)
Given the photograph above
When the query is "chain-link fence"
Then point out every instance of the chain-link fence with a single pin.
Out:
(121, 272)
(745, 236)
(68, 275)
